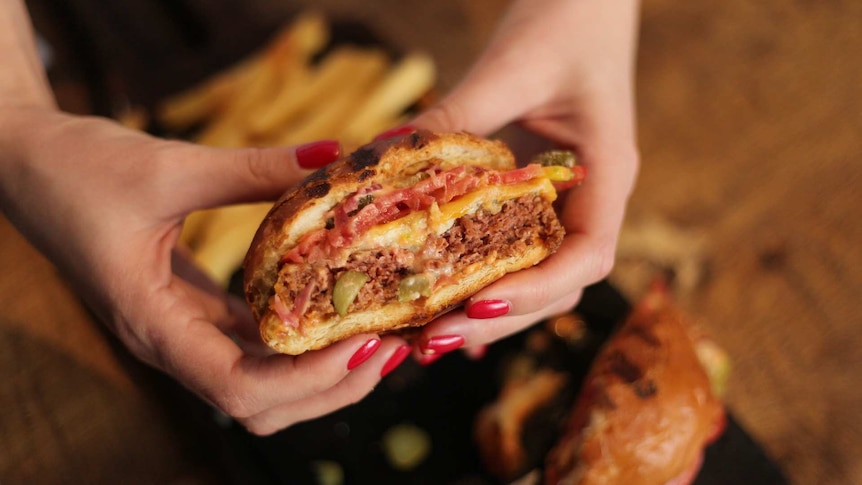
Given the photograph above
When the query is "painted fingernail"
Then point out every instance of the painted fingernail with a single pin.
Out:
(428, 359)
(363, 354)
(488, 309)
(318, 154)
(441, 344)
(398, 131)
(395, 360)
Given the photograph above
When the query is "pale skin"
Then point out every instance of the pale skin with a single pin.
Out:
(563, 70)
(107, 204)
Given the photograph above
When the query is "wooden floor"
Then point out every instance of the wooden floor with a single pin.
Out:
(750, 120)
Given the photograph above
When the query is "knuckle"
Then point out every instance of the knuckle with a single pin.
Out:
(602, 262)
(234, 401)
(355, 393)
(255, 164)
(541, 294)
(310, 386)
(351, 391)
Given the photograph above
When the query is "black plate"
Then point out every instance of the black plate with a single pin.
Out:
(443, 399)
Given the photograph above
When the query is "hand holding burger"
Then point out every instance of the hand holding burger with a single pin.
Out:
(396, 233)
(563, 71)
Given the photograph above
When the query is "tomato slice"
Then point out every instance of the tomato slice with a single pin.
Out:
(368, 207)
(531, 171)
(579, 173)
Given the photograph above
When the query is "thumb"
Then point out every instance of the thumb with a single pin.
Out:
(211, 177)
(493, 94)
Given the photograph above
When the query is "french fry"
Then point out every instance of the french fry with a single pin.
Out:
(403, 85)
(283, 65)
(290, 49)
(332, 108)
(277, 96)
(333, 74)
(223, 133)
(194, 226)
(134, 117)
(200, 102)
(223, 242)
(303, 38)
(229, 128)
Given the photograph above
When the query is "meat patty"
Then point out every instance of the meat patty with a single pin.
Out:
(477, 239)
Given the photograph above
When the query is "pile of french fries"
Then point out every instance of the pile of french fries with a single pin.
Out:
(286, 94)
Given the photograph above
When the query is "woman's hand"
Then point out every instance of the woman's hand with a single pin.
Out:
(563, 71)
(107, 205)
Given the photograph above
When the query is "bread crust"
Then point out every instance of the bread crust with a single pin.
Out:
(301, 210)
(393, 316)
(646, 409)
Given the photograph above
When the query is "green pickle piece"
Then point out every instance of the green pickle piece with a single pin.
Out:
(414, 286)
(556, 158)
(346, 290)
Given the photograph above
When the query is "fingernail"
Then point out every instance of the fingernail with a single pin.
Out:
(363, 354)
(488, 309)
(441, 344)
(395, 360)
(318, 154)
(398, 131)
(428, 359)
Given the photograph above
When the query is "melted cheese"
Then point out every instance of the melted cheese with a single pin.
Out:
(411, 230)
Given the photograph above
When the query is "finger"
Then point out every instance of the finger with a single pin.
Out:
(239, 324)
(592, 216)
(482, 102)
(211, 177)
(473, 333)
(208, 362)
(349, 390)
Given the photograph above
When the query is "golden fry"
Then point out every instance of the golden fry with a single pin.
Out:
(277, 96)
(194, 105)
(331, 111)
(221, 246)
(291, 48)
(303, 38)
(193, 227)
(403, 85)
(334, 73)
(134, 117)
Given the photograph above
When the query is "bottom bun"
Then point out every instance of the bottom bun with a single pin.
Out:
(395, 315)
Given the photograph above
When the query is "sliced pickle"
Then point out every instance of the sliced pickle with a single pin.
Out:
(556, 158)
(414, 286)
(347, 289)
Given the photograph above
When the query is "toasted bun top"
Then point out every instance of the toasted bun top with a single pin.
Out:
(384, 162)
(646, 409)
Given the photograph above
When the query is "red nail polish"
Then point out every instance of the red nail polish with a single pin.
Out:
(363, 354)
(395, 360)
(441, 344)
(428, 359)
(318, 154)
(488, 309)
(398, 131)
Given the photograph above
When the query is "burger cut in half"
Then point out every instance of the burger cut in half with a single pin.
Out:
(396, 233)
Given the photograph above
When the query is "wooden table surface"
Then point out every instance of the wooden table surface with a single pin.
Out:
(750, 116)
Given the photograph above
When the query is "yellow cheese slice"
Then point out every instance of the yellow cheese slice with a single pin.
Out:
(411, 230)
